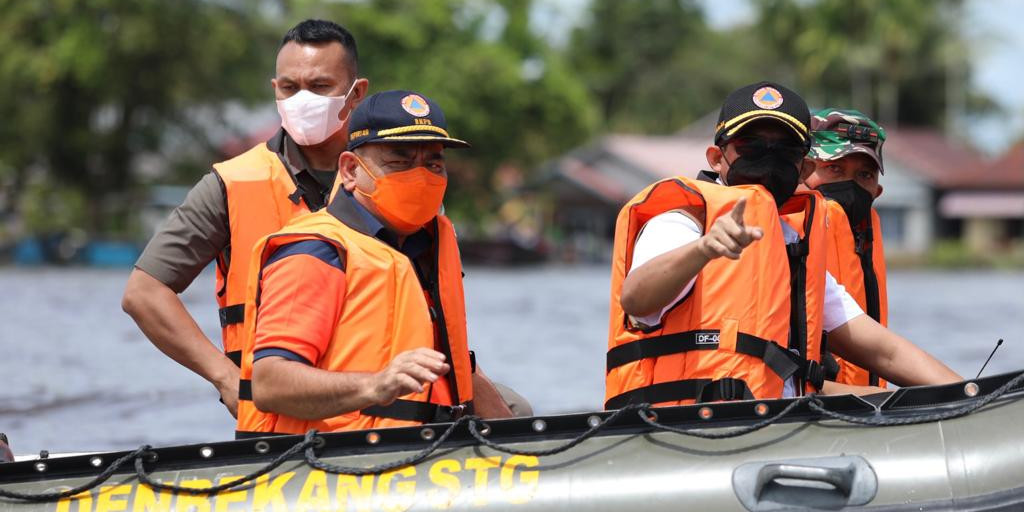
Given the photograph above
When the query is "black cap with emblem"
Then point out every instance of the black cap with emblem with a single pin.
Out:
(763, 100)
(397, 117)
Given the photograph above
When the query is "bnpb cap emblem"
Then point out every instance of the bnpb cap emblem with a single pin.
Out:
(768, 98)
(415, 105)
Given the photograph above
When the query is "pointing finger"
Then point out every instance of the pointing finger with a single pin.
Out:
(737, 211)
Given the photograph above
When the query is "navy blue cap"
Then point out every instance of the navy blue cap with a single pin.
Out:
(397, 117)
(763, 100)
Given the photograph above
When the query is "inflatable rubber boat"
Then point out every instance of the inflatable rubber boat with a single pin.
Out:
(952, 447)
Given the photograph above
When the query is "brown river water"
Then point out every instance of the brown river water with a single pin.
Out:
(77, 375)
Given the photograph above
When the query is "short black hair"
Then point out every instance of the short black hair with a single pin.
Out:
(323, 31)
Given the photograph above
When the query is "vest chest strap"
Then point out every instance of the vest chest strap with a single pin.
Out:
(699, 390)
(782, 362)
(230, 315)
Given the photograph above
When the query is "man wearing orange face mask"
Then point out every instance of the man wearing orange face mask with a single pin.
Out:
(355, 316)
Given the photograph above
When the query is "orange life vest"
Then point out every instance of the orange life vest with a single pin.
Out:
(260, 200)
(728, 338)
(848, 258)
(386, 311)
(262, 197)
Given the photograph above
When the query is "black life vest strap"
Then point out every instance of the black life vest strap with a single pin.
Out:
(700, 390)
(780, 361)
(423, 412)
(245, 389)
(235, 356)
(230, 315)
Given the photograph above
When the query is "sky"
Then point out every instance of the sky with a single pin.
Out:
(993, 27)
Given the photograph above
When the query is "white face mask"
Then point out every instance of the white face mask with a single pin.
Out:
(310, 118)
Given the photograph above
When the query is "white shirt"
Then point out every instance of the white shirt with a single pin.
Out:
(671, 230)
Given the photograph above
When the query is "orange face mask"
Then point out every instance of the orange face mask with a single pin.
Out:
(406, 199)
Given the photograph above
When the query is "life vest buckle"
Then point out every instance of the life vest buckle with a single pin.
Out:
(448, 413)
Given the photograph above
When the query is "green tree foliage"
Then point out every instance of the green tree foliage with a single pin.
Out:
(93, 85)
(904, 62)
(501, 87)
(90, 85)
(653, 65)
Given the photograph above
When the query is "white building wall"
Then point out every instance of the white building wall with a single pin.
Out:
(904, 194)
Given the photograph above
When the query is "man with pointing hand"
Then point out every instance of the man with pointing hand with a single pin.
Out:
(719, 287)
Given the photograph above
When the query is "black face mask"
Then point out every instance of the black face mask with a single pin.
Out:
(776, 173)
(856, 201)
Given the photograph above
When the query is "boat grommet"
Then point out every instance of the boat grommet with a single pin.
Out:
(206, 452)
(705, 413)
(427, 434)
(761, 409)
(262, 447)
(594, 421)
(151, 457)
(971, 389)
(539, 425)
(319, 442)
(485, 429)
(650, 415)
(40, 467)
(373, 438)
(96, 461)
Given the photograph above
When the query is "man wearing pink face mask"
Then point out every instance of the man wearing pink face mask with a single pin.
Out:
(245, 198)
(355, 315)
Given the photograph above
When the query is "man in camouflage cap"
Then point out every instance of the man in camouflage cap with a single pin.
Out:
(847, 151)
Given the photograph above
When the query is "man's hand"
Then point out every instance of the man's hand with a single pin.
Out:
(228, 389)
(728, 236)
(407, 373)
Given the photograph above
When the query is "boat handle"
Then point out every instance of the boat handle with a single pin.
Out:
(840, 478)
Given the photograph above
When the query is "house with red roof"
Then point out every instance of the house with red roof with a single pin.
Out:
(934, 188)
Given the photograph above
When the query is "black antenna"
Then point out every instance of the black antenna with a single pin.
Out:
(1000, 342)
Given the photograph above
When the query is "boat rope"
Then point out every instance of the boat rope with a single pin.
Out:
(478, 429)
(234, 484)
(95, 482)
(595, 428)
(881, 421)
(413, 459)
(650, 417)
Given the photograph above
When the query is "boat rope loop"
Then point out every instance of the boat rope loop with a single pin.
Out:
(413, 459)
(650, 417)
(597, 427)
(95, 482)
(881, 421)
(478, 429)
(234, 484)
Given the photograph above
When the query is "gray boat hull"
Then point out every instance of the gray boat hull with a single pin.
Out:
(974, 462)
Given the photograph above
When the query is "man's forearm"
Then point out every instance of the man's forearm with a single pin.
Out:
(867, 343)
(653, 285)
(302, 391)
(162, 317)
(487, 401)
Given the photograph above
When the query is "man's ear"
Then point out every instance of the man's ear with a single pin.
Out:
(359, 91)
(347, 166)
(878, 191)
(807, 167)
(716, 159)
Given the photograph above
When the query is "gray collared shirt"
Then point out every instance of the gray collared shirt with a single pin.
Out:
(197, 231)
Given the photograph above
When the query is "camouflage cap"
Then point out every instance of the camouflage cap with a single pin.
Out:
(837, 133)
